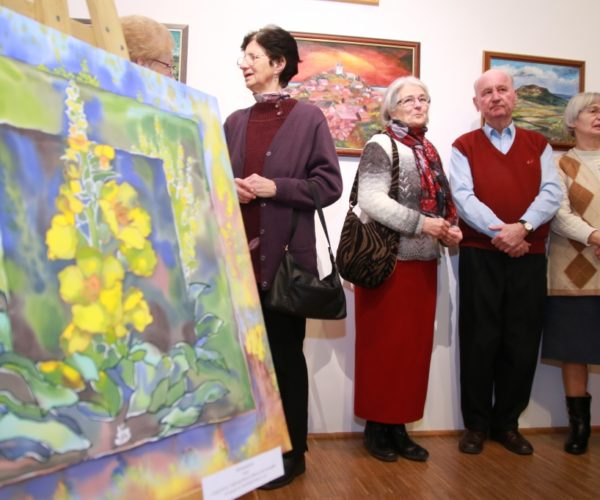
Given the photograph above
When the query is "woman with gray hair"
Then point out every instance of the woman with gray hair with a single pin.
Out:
(149, 43)
(394, 322)
(573, 307)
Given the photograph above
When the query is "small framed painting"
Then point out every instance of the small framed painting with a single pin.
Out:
(179, 32)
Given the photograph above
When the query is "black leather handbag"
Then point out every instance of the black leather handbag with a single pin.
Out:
(298, 292)
(367, 253)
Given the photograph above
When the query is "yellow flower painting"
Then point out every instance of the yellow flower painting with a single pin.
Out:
(133, 355)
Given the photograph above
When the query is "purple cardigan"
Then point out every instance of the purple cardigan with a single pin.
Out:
(302, 150)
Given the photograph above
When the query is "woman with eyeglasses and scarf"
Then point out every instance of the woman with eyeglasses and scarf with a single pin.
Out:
(278, 147)
(394, 321)
(571, 330)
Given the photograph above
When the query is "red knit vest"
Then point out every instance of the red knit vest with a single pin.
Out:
(506, 183)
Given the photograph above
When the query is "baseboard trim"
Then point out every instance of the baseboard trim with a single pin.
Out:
(442, 432)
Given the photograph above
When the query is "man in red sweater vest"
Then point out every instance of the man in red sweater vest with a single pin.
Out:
(506, 190)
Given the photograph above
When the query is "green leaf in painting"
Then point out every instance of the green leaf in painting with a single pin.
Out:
(159, 396)
(137, 355)
(208, 392)
(54, 434)
(127, 372)
(111, 397)
(209, 324)
(19, 408)
(175, 392)
(212, 357)
(140, 398)
(16, 363)
(94, 411)
(197, 288)
(179, 418)
(152, 354)
(188, 351)
(84, 365)
(180, 367)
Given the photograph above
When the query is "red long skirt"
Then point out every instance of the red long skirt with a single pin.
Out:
(394, 339)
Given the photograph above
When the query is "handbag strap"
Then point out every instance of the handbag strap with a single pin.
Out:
(317, 200)
(393, 193)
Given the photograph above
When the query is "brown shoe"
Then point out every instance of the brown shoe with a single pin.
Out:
(513, 441)
(472, 442)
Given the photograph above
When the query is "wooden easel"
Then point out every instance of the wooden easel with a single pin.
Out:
(104, 31)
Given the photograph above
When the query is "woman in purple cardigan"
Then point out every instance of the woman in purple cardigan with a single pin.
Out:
(277, 147)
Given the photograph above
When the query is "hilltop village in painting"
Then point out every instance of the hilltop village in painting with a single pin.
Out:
(346, 79)
(349, 104)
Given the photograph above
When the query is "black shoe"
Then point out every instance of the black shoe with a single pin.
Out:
(405, 446)
(472, 442)
(579, 424)
(513, 441)
(377, 442)
(293, 466)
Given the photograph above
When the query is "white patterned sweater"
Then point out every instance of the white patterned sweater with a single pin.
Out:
(374, 180)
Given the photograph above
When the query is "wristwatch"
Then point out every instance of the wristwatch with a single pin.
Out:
(527, 225)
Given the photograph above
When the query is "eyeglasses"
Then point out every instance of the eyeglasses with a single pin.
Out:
(591, 110)
(167, 66)
(411, 101)
(250, 59)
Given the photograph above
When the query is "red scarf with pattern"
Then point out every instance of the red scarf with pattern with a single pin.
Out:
(436, 199)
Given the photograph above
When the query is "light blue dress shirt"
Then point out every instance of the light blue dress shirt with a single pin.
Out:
(480, 216)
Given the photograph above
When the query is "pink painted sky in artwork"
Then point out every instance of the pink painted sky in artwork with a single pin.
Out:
(377, 66)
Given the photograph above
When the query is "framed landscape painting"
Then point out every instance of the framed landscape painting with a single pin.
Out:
(179, 32)
(346, 78)
(544, 86)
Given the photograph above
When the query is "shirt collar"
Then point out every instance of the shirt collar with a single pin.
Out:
(489, 131)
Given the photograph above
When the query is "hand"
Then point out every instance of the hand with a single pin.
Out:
(520, 250)
(594, 240)
(436, 227)
(453, 237)
(244, 192)
(510, 236)
(261, 186)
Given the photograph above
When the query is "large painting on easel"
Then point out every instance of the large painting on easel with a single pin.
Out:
(130, 328)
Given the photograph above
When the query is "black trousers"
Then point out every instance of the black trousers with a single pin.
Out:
(286, 339)
(500, 325)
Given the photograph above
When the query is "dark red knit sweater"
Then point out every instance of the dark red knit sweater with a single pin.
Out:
(265, 120)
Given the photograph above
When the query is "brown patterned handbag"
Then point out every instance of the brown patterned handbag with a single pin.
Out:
(367, 253)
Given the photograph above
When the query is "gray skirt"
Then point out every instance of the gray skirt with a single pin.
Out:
(572, 329)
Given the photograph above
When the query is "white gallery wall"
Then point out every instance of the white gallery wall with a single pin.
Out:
(453, 35)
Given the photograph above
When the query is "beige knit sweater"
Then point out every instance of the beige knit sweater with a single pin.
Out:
(573, 268)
